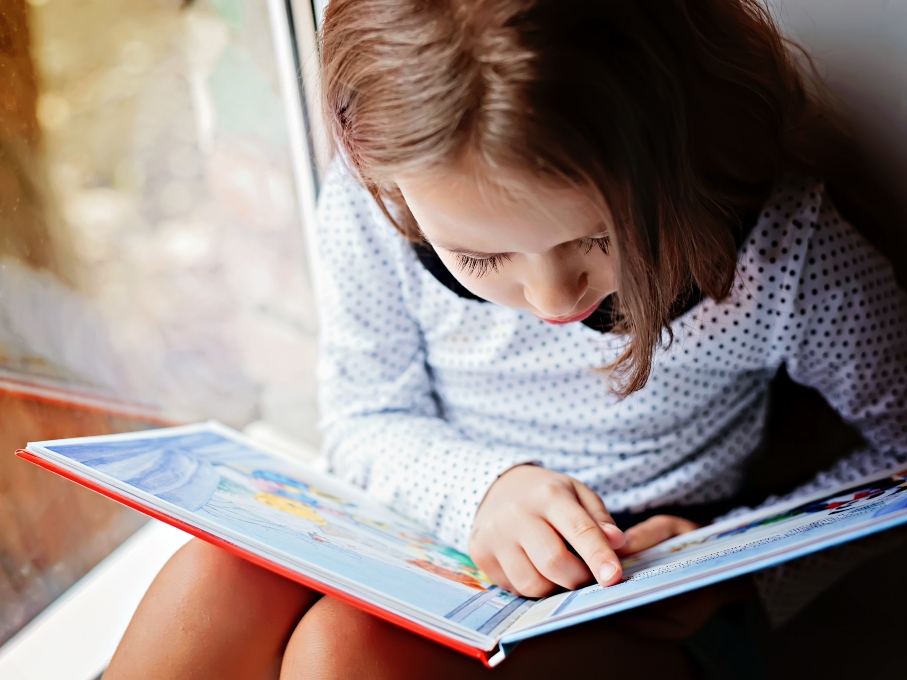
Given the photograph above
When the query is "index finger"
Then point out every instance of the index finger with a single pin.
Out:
(571, 520)
(597, 510)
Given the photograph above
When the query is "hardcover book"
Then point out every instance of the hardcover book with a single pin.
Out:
(227, 489)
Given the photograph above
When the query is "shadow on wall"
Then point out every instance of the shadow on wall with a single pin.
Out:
(860, 50)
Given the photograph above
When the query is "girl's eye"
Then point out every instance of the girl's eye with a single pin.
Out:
(603, 243)
(479, 267)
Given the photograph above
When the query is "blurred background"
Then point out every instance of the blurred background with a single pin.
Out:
(156, 177)
(152, 256)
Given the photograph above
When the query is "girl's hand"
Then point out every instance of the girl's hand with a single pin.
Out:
(520, 530)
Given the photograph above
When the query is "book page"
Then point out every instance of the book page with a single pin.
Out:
(728, 549)
(217, 480)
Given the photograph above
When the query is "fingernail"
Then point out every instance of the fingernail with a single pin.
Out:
(607, 571)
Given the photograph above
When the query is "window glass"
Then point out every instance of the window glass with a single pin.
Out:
(152, 260)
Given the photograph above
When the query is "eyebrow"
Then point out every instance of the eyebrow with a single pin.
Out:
(459, 251)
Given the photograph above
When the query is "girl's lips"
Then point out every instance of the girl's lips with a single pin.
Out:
(578, 317)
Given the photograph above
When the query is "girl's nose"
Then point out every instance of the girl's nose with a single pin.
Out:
(557, 293)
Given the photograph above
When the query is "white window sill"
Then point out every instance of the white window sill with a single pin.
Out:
(75, 637)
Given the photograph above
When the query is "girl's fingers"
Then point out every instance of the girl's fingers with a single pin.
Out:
(594, 505)
(492, 569)
(653, 531)
(522, 574)
(579, 529)
(552, 559)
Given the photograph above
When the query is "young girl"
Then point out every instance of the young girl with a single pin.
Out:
(564, 249)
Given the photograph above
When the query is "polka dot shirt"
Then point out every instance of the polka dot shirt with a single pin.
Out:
(427, 397)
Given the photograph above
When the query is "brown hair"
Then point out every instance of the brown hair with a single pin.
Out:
(674, 114)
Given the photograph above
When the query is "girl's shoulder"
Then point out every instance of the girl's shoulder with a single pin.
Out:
(348, 217)
(355, 249)
(802, 259)
(794, 203)
(788, 227)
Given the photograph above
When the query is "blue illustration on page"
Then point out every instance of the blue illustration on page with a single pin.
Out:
(301, 514)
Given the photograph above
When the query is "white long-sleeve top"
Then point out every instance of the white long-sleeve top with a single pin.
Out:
(427, 397)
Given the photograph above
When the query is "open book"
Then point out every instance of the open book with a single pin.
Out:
(225, 488)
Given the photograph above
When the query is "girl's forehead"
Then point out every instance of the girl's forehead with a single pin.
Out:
(458, 210)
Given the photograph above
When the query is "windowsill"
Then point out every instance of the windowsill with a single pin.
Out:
(76, 636)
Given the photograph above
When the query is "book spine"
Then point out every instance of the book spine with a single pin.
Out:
(308, 582)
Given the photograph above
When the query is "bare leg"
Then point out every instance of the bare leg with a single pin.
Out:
(210, 614)
(335, 640)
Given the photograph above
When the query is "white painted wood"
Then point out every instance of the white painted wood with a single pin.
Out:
(285, 56)
(274, 438)
(75, 637)
(305, 26)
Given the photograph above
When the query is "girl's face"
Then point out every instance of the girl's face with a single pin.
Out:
(546, 255)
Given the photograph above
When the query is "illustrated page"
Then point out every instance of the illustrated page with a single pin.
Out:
(227, 483)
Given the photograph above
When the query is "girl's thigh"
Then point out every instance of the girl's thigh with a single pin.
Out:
(335, 640)
(210, 614)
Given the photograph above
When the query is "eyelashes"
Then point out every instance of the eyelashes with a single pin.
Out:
(603, 243)
(480, 266)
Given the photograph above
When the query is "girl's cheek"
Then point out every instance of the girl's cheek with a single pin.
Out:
(603, 277)
(497, 288)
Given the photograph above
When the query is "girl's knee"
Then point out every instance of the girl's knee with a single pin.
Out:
(336, 640)
(332, 640)
(203, 563)
(201, 572)
(331, 626)
(214, 614)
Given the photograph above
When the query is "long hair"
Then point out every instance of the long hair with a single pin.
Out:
(672, 116)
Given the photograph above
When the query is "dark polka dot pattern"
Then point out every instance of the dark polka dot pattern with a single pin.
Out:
(427, 397)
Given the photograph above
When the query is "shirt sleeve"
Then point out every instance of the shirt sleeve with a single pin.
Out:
(839, 322)
(845, 334)
(383, 426)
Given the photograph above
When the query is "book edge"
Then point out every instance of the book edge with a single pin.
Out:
(364, 605)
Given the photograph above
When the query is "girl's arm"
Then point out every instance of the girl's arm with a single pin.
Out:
(844, 333)
(383, 426)
(838, 319)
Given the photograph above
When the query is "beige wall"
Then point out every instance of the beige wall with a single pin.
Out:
(860, 47)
